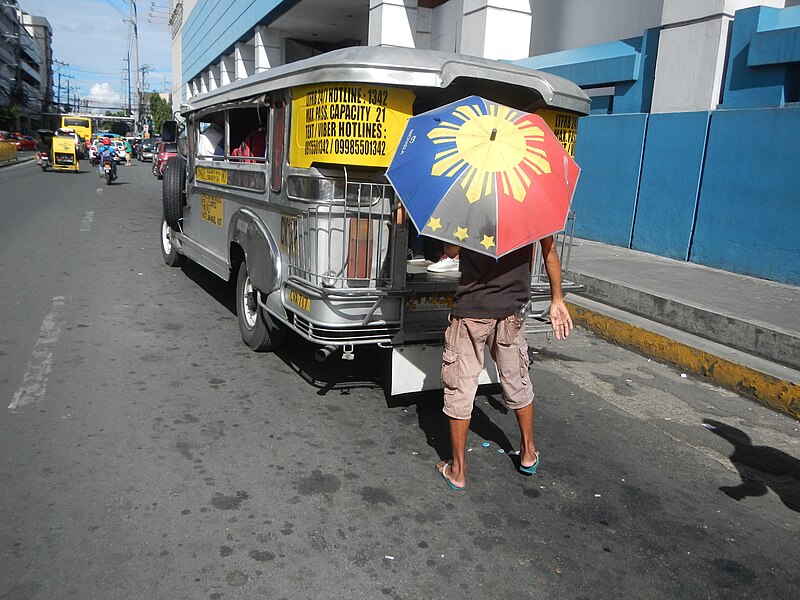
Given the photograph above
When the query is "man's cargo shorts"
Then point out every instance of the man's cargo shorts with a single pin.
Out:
(462, 362)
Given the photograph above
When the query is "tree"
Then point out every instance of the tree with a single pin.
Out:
(9, 116)
(160, 111)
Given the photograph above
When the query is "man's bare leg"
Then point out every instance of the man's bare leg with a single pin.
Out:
(457, 471)
(527, 451)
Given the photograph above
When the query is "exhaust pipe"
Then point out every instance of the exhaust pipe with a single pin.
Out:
(323, 353)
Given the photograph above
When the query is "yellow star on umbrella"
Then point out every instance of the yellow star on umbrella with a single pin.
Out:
(434, 224)
(488, 241)
(461, 234)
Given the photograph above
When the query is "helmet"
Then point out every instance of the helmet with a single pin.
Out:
(107, 141)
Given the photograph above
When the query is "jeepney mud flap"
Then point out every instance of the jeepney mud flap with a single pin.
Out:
(417, 368)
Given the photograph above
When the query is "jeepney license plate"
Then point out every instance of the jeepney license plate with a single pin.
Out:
(427, 302)
(300, 300)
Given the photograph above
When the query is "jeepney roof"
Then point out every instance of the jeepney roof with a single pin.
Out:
(404, 67)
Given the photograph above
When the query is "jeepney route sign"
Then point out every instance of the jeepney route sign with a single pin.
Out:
(347, 123)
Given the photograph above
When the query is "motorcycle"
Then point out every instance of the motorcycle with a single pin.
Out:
(44, 160)
(108, 170)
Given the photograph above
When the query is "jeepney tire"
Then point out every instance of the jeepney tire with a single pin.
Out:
(259, 330)
(172, 188)
(169, 251)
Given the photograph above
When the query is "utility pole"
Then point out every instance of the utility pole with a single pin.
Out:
(143, 110)
(128, 62)
(135, 42)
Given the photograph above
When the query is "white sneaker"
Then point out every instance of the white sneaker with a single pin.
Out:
(445, 265)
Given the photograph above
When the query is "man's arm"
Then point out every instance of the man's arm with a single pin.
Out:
(560, 320)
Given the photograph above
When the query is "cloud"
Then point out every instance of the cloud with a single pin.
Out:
(102, 94)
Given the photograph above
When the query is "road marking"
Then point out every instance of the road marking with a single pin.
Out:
(34, 384)
(86, 223)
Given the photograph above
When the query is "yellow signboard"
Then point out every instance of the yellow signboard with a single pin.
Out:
(64, 144)
(347, 123)
(564, 125)
(211, 209)
(212, 175)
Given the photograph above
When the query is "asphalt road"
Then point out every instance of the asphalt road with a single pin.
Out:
(146, 453)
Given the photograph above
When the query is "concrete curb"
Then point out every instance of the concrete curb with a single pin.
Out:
(17, 161)
(773, 385)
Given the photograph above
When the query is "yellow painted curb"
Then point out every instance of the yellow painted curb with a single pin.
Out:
(776, 393)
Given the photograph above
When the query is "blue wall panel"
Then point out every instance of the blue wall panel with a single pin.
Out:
(748, 217)
(214, 26)
(673, 160)
(609, 151)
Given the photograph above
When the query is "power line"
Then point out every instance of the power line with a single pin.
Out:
(116, 8)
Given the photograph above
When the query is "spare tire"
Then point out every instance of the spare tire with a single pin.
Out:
(173, 188)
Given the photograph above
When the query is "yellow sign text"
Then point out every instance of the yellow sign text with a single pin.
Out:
(211, 209)
(212, 175)
(347, 123)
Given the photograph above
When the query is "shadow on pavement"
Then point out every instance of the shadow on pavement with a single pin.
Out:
(222, 291)
(760, 467)
(433, 422)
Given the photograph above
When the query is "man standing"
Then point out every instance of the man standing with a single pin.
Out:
(488, 309)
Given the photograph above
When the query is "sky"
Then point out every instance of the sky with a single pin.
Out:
(92, 37)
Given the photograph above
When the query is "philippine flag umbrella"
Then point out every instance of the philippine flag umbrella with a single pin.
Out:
(483, 176)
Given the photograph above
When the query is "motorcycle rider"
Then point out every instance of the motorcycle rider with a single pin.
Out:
(107, 152)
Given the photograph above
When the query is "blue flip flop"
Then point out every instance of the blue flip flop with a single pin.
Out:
(449, 483)
(532, 469)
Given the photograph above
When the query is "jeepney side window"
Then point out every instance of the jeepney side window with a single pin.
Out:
(211, 136)
(278, 144)
(248, 132)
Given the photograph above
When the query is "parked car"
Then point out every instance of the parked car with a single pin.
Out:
(7, 136)
(25, 143)
(119, 146)
(164, 151)
(147, 150)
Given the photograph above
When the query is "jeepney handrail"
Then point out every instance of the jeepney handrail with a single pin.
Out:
(338, 293)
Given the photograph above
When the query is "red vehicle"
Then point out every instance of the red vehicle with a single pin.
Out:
(26, 142)
(163, 152)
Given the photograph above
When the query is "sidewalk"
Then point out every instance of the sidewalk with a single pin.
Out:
(741, 332)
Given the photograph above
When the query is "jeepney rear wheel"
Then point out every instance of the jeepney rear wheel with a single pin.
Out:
(168, 250)
(259, 330)
(173, 186)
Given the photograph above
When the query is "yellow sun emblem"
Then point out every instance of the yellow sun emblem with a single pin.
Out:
(490, 143)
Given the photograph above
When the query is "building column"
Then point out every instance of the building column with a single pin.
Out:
(244, 60)
(227, 73)
(690, 68)
(393, 23)
(203, 82)
(268, 48)
(213, 77)
(497, 29)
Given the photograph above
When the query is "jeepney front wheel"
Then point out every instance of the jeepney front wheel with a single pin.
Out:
(168, 250)
(259, 330)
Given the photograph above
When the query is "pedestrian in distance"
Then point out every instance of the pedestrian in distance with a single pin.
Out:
(128, 152)
(489, 310)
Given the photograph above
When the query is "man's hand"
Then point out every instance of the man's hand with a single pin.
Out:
(560, 320)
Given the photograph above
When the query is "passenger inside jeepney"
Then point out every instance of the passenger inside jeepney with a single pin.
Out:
(211, 142)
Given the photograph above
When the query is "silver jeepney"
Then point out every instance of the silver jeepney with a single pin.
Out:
(309, 226)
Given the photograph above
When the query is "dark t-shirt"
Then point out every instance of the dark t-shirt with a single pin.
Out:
(491, 288)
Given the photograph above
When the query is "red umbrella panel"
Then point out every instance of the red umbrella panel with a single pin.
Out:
(483, 176)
